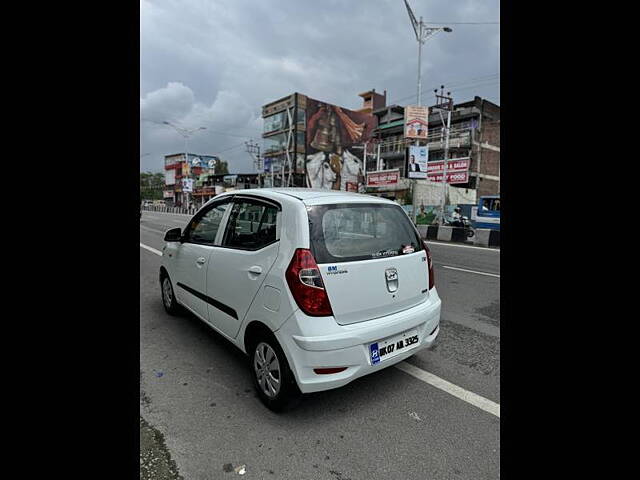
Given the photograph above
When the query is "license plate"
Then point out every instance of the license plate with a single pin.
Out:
(392, 346)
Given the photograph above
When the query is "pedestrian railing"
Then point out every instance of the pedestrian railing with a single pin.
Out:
(155, 208)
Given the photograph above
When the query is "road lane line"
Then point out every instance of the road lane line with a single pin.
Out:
(151, 249)
(471, 271)
(464, 246)
(474, 399)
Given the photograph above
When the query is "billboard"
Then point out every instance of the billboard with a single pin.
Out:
(453, 166)
(332, 131)
(417, 162)
(187, 185)
(416, 121)
(383, 178)
(452, 177)
(202, 161)
(170, 177)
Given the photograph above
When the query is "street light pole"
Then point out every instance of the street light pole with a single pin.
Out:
(423, 33)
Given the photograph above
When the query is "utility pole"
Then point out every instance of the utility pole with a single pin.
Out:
(423, 33)
(253, 149)
(444, 103)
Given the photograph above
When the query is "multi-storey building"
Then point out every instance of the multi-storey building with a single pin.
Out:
(181, 176)
(310, 143)
(475, 133)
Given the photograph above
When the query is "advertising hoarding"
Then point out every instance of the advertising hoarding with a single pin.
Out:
(416, 122)
(452, 177)
(332, 132)
(202, 161)
(169, 177)
(187, 185)
(383, 178)
(417, 162)
(453, 165)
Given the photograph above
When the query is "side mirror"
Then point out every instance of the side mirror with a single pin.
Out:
(173, 235)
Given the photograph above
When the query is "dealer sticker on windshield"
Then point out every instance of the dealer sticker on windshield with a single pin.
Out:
(392, 346)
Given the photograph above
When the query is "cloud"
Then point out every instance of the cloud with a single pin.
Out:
(214, 63)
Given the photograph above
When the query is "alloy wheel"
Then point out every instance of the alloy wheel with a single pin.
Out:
(267, 369)
(167, 292)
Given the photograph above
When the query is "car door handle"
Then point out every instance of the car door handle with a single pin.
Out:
(255, 269)
(201, 260)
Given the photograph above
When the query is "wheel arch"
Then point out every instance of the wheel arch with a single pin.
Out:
(253, 331)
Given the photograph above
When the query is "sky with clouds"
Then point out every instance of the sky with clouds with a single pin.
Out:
(214, 63)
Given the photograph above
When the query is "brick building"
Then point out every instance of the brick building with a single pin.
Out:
(475, 133)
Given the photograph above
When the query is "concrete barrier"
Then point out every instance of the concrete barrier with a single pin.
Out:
(429, 232)
(486, 237)
(451, 234)
(444, 233)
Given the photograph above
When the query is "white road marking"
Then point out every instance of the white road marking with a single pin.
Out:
(471, 271)
(464, 246)
(151, 249)
(474, 399)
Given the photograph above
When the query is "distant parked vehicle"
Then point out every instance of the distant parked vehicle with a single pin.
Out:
(147, 203)
(487, 213)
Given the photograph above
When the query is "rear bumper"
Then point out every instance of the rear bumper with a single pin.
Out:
(312, 343)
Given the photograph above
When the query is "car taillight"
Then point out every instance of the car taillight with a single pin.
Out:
(306, 285)
(432, 280)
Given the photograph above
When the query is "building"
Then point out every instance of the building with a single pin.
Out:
(208, 185)
(182, 175)
(310, 143)
(475, 133)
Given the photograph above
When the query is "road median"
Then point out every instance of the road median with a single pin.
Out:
(483, 237)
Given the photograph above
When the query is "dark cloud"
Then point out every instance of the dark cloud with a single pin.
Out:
(214, 63)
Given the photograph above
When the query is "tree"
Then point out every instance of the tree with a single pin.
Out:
(151, 185)
(221, 168)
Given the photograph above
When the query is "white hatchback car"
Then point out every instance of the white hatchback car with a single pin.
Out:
(317, 287)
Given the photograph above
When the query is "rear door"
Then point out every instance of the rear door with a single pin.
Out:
(238, 267)
(371, 259)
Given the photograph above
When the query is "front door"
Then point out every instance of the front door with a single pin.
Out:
(238, 267)
(193, 255)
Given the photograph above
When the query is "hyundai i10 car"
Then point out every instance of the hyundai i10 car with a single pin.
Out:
(317, 287)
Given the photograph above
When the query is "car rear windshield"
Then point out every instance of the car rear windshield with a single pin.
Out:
(360, 231)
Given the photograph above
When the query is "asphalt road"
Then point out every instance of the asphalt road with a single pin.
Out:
(196, 391)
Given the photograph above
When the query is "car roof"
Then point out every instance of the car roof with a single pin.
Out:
(314, 195)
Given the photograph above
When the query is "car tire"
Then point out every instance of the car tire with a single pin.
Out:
(169, 301)
(276, 385)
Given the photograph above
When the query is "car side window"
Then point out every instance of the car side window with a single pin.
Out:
(204, 227)
(252, 225)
